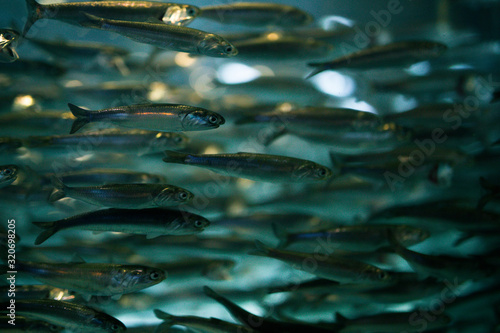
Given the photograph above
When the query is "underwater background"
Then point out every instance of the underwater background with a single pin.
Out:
(414, 164)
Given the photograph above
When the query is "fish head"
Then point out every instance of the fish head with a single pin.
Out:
(165, 141)
(149, 276)
(180, 14)
(8, 174)
(102, 322)
(407, 235)
(311, 171)
(171, 195)
(201, 119)
(193, 223)
(8, 42)
(216, 46)
(376, 275)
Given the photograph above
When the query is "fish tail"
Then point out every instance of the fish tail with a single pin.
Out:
(167, 318)
(174, 157)
(51, 228)
(34, 13)
(60, 189)
(262, 250)
(282, 235)
(319, 68)
(82, 117)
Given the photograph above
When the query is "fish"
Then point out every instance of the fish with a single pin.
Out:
(259, 167)
(72, 316)
(397, 54)
(8, 174)
(164, 36)
(69, 49)
(9, 145)
(138, 142)
(9, 39)
(140, 11)
(257, 14)
(444, 267)
(33, 68)
(128, 196)
(354, 238)
(264, 324)
(153, 117)
(413, 321)
(37, 291)
(150, 221)
(206, 325)
(93, 279)
(182, 269)
(29, 123)
(104, 176)
(24, 324)
(331, 267)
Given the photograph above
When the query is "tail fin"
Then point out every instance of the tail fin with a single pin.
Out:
(282, 235)
(167, 318)
(82, 117)
(51, 228)
(174, 157)
(34, 13)
(262, 249)
(59, 191)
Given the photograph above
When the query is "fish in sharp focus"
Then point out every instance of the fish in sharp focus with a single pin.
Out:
(257, 14)
(259, 167)
(140, 11)
(127, 196)
(98, 279)
(8, 42)
(8, 174)
(150, 221)
(154, 117)
(72, 316)
(331, 266)
(398, 54)
(164, 36)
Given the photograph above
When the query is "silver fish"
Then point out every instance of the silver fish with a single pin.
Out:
(155, 117)
(151, 221)
(386, 56)
(104, 176)
(141, 11)
(166, 36)
(259, 167)
(257, 14)
(124, 195)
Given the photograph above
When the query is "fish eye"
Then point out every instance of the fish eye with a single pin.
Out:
(322, 172)
(115, 327)
(213, 119)
(54, 328)
(178, 139)
(7, 171)
(154, 276)
(191, 12)
(8, 35)
(183, 195)
(229, 49)
(382, 276)
(198, 224)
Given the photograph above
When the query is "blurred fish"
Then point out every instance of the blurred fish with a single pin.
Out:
(156, 117)
(493, 195)
(8, 174)
(24, 324)
(130, 196)
(398, 54)
(199, 324)
(443, 266)
(166, 36)
(257, 14)
(354, 238)
(33, 68)
(104, 176)
(72, 316)
(93, 279)
(265, 324)
(259, 167)
(68, 49)
(9, 145)
(152, 222)
(331, 267)
(210, 268)
(141, 11)
(413, 321)
(274, 47)
(8, 42)
(138, 142)
(35, 123)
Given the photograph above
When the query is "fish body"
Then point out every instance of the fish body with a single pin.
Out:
(213, 269)
(99, 279)
(26, 325)
(331, 267)
(151, 221)
(37, 291)
(257, 14)
(259, 167)
(140, 11)
(154, 117)
(127, 196)
(104, 176)
(386, 56)
(8, 42)
(165, 36)
(72, 316)
(30, 123)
